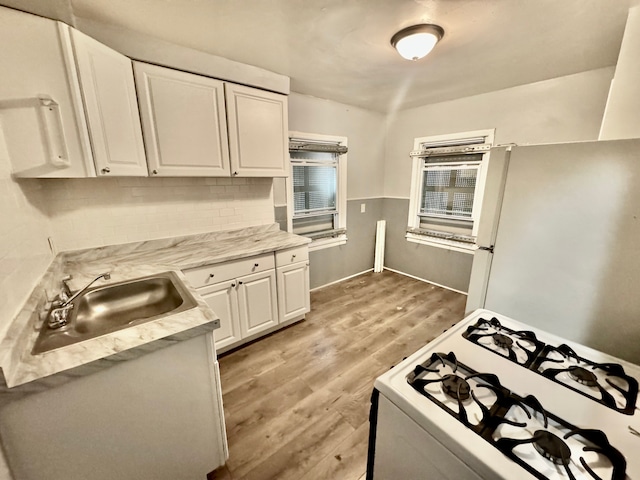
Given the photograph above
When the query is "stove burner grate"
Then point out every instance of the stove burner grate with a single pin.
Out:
(455, 386)
(555, 449)
(547, 444)
(519, 346)
(581, 371)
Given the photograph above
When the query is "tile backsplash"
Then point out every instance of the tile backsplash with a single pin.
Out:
(103, 211)
(90, 212)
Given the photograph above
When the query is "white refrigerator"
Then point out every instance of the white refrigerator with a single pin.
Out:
(560, 242)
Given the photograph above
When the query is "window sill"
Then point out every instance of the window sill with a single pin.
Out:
(453, 245)
(322, 243)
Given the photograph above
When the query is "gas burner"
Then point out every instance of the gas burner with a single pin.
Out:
(607, 383)
(583, 376)
(551, 447)
(502, 341)
(455, 387)
(519, 346)
(468, 396)
(541, 442)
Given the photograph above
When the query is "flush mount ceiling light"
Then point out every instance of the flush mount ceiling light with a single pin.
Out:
(417, 41)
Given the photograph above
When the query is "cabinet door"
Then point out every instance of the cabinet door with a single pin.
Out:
(108, 90)
(257, 301)
(184, 122)
(223, 300)
(37, 61)
(258, 132)
(293, 291)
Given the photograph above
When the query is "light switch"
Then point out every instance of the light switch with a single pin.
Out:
(363, 207)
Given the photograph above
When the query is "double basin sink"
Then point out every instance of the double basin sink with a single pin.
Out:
(109, 308)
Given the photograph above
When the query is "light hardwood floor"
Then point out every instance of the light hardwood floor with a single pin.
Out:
(297, 402)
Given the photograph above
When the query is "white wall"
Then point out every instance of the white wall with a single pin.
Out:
(622, 116)
(24, 251)
(564, 109)
(103, 211)
(366, 133)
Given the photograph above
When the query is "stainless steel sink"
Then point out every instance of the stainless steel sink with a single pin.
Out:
(109, 308)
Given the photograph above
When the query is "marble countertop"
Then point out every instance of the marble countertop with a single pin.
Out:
(125, 262)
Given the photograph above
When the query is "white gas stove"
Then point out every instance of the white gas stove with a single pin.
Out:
(493, 398)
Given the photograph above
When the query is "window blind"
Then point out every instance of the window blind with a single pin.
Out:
(314, 188)
(448, 191)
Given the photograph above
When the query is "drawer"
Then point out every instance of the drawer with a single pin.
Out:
(220, 272)
(292, 255)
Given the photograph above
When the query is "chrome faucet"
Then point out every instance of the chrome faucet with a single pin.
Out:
(59, 315)
(66, 302)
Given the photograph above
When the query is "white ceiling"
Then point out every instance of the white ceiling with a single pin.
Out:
(339, 49)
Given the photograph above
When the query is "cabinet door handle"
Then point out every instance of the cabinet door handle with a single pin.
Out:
(106, 170)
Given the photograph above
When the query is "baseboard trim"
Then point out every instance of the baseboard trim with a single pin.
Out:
(341, 280)
(426, 281)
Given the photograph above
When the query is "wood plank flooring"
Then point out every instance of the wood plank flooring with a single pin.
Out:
(297, 402)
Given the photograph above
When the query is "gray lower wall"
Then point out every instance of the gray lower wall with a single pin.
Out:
(437, 265)
(444, 267)
(331, 264)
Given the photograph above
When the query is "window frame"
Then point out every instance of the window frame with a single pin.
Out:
(341, 190)
(419, 166)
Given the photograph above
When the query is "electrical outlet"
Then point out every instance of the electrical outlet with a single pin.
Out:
(363, 207)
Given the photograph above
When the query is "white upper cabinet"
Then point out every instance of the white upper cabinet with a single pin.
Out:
(41, 112)
(68, 108)
(67, 102)
(258, 132)
(109, 94)
(184, 122)
(198, 126)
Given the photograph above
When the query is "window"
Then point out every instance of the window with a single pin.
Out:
(449, 173)
(318, 188)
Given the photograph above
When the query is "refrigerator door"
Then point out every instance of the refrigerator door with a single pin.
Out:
(567, 255)
(488, 226)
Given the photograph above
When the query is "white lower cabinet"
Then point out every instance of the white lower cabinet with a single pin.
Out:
(223, 299)
(293, 290)
(251, 296)
(258, 302)
(246, 306)
(157, 417)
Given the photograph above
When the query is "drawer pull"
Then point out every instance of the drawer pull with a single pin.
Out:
(233, 284)
(256, 265)
(239, 283)
(293, 256)
(211, 275)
